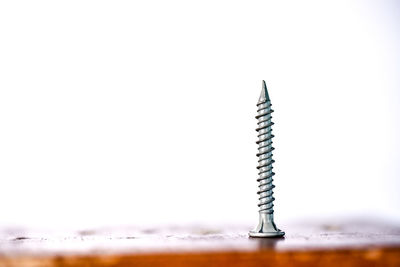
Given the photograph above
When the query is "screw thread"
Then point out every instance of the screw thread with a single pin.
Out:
(264, 154)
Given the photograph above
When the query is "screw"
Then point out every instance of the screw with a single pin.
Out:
(266, 226)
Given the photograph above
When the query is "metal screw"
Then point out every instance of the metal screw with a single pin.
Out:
(266, 226)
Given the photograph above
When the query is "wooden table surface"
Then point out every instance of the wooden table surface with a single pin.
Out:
(348, 243)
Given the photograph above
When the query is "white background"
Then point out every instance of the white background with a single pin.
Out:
(133, 112)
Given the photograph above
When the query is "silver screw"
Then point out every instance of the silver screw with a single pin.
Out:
(266, 226)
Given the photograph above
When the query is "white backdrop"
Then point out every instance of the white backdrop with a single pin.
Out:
(135, 112)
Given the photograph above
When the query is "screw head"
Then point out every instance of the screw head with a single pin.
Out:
(278, 233)
(266, 227)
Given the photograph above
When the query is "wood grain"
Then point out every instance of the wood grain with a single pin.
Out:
(354, 243)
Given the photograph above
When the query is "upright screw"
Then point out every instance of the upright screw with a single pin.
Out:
(266, 226)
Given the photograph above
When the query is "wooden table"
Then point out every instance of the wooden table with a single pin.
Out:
(349, 243)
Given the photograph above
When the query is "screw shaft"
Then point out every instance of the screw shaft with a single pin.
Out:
(265, 157)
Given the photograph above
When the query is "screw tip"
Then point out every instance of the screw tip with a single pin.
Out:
(264, 96)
